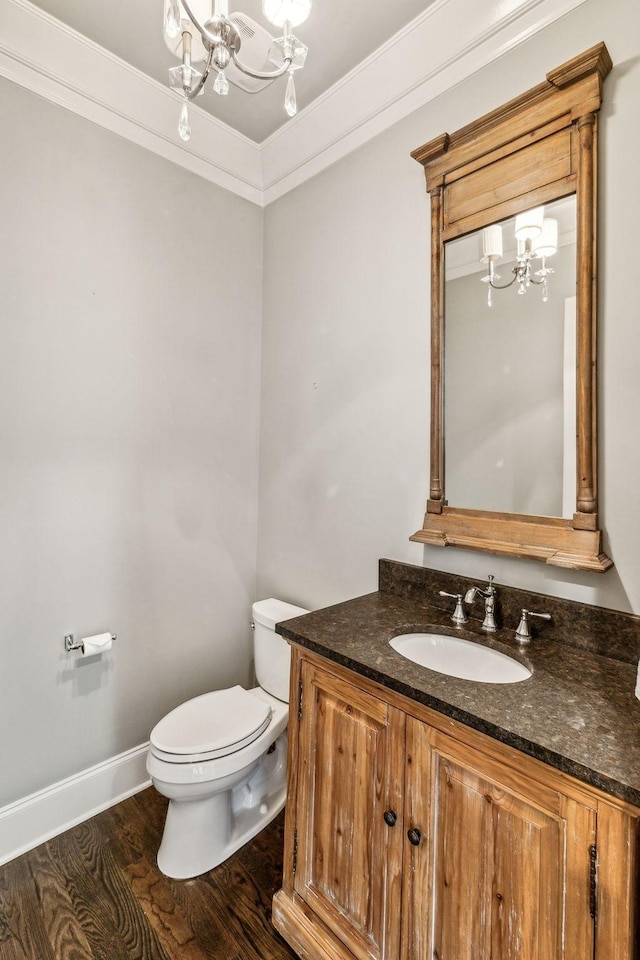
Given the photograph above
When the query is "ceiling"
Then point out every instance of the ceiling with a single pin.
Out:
(340, 34)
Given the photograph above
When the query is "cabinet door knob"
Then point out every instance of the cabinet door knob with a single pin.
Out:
(390, 818)
(414, 836)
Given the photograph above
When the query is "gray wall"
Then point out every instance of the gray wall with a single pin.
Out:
(129, 392)
(344, 455)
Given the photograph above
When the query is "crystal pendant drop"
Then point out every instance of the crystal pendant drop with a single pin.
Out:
(184, 78)
(290, 104)
(221, 84)
(172, 23)
(184, 126)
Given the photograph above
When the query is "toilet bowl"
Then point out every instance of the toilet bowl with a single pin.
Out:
(220, 758)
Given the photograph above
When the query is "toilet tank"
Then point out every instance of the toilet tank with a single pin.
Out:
(271, 651)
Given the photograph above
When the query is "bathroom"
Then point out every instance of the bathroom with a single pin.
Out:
(175, 447)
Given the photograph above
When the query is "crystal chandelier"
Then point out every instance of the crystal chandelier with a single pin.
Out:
(536, 239)
(203, 31)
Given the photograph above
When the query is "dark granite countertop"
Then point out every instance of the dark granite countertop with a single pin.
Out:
(577, 711)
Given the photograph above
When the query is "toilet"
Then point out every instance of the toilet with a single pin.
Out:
(220, 758)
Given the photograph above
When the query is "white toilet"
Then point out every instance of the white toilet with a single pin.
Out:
(221, 758)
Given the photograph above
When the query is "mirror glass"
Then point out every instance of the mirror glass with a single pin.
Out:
(510, 364)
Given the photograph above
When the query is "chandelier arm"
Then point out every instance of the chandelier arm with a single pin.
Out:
(210, 38)
(260, 74)
(201, 82)
(503, 286)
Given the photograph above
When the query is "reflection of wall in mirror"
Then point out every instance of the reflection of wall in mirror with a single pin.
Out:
(569, 386)
(504, 393)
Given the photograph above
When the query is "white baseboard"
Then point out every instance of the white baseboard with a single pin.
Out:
(34, 819)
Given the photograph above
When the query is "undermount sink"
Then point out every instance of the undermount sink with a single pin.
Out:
(459, 658)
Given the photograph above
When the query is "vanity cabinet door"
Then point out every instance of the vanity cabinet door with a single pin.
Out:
(349, 813)
(503, 867)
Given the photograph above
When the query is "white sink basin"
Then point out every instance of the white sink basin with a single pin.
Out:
(459, 658)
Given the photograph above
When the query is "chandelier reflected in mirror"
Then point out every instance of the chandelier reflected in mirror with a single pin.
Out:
(203, 31)
(536, 238)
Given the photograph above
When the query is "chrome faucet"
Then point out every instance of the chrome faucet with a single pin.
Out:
(489, 622)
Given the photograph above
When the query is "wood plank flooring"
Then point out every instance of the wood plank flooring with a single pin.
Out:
(95, 893)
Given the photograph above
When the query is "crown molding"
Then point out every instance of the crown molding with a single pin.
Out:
(61, 65)
(450, 41)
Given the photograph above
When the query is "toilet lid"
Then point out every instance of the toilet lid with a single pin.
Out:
(213, 725)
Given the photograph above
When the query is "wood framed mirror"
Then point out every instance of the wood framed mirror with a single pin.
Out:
(528, 371)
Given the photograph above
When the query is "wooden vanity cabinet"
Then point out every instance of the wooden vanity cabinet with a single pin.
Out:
(412, 837)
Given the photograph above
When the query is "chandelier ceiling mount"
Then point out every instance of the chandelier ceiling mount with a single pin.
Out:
(203, 31)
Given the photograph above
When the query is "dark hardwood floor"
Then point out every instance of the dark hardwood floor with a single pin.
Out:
(95, 892)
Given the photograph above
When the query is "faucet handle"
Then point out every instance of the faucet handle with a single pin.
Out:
(523, 633)
(459, 614)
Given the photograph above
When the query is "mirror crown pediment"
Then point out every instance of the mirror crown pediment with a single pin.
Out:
(568, 92)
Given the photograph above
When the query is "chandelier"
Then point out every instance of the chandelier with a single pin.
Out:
(536, 239)
(203, 31)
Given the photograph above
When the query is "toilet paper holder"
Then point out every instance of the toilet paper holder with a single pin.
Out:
(71, 644)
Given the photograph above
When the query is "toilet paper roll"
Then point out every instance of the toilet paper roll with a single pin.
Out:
(638, 682)
(96, 645)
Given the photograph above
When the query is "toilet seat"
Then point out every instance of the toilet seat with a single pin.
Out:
(210, 726)
(181, 771)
